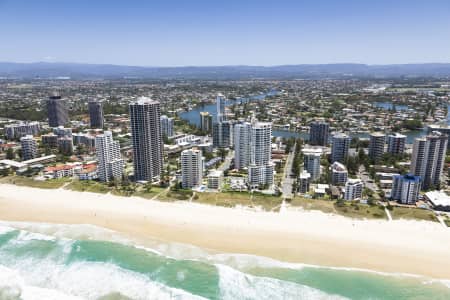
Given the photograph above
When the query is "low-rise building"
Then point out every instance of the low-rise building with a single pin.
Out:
(353, 189)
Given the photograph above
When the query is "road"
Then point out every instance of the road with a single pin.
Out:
(227, 162)
(287, 181)
(368, 182)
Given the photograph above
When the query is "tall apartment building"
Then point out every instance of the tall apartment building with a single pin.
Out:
(110, 162)
(339, 174)
(220, 102)
(318, 133)
(242, 145)
(340, 146)
(376, 145)
(223, 134)
(261, 168)
(405, 188)
(146, 133)
(29, 147)
(428, 158)
(444, 129)
(206, 122)
(396, 143)
(191, 168)
(353, 189)
(96, 114)
(57, 111)
(311, 161)
(167, 126)
(16, 131)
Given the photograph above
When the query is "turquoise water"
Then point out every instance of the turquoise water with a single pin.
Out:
(50, 261)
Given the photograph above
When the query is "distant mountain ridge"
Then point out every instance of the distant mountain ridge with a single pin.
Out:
(79, 70)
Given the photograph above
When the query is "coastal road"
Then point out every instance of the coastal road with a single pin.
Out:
(286, 185)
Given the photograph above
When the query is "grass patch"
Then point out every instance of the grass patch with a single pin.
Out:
(176, 195)
(88, 186)
(29, 181)
(447, 222)
(360, 211)
(149, 194)
(412, 214)
(313, 204)
(267, 202)
(233, 199)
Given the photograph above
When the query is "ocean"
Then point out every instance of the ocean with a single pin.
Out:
(55, 261)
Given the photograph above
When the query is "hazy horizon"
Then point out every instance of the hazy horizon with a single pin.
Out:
(231, 33)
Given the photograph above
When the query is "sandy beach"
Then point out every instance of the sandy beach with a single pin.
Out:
(415, 247)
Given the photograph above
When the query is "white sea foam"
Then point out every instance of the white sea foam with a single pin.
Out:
(6, 229)
(241, 262)
(89, 280)
(13, 287)
(237, 285)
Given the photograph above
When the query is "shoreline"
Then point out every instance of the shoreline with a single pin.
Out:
(304, 237)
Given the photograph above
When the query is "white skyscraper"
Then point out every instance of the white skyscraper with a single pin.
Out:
(191, 168)
(242, 145)
(166, 126)
(110, 162)
(220, 102)
(428, 158)
(29, 147)
(261, 168)
(145, 118)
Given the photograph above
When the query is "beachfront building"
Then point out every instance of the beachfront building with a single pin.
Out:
(318, 133)
(167, 126)
(339, 174)
(261, 167)
(146, 133)
(340, 146)
(57, 111)
(16, 131)
(405, 188)
(215, 178)
(29, 147)
(303, 182)
(96, 114)
(428, 158)
(110, 162)
(206, 122)
(191, 168)
(376, 145)
(242, 145)
(311, 161)
(353, 189)
(396, 143)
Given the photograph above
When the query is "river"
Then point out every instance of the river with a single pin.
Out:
(193, 117)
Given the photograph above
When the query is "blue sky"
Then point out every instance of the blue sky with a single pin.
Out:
(226, 32)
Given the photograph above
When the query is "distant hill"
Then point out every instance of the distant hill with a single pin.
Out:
(77, 71)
